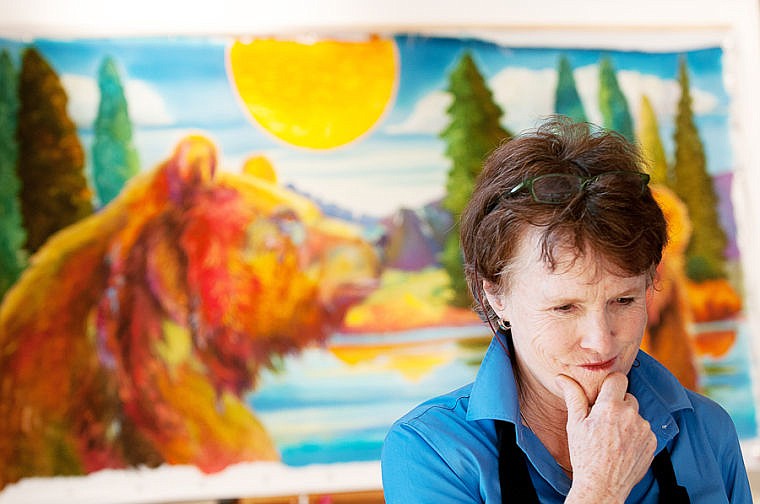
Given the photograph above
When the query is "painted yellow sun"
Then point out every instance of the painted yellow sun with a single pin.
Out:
(317, 95)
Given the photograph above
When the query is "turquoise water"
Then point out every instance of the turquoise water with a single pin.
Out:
(323, 410)
(728, 380)
(320, 409)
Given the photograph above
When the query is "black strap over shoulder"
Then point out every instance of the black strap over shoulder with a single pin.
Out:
(517, 487)
(670, 490)
(514, 477)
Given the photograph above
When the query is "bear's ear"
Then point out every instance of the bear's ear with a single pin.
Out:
(261, 168)
(192, 164)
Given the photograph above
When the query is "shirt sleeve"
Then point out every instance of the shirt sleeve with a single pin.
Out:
(415, 472)
(734, 470)
(722, 435)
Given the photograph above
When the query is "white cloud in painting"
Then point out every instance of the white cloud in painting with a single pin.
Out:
(388, 159)
(523, 94)
(587, 84)
(428, 115)
(368, 197)
(527, 95)
(146, 106)
(662, 93)
(374, 181)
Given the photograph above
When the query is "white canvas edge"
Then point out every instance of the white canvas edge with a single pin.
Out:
(187, 483)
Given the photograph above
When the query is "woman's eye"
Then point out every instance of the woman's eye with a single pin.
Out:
(624, 300)
(563, 308)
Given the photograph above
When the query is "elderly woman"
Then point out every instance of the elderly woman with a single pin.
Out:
(561, 242)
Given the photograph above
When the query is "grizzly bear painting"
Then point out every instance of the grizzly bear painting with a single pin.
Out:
(133, 335)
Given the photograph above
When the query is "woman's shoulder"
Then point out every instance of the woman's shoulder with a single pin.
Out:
(705, 406)
(433, 452)
(443, 408)
(713, 419)
(429, 428)
(437, 421)
(676, 395)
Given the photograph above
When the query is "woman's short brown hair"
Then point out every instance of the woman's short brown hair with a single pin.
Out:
(624, 226)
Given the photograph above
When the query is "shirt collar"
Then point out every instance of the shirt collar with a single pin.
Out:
(659, 394)
(494, 392)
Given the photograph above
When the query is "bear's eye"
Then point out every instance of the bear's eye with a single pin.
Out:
(294, 230)
(290, 225)
(264, 235)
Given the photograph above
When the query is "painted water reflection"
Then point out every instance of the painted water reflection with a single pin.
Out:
(335, 404)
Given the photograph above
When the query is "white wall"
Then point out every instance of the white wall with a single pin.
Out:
(192, 17)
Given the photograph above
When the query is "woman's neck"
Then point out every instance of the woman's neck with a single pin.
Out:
(546, 415)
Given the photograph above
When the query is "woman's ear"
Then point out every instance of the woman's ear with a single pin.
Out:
(495, 297)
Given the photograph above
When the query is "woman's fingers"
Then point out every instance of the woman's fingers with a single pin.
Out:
(631, 401)
(610, 444)
(613, 388)
(575, 398)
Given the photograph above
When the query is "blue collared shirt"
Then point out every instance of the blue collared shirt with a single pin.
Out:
(446, 450)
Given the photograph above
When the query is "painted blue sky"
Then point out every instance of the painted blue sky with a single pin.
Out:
(179, 85)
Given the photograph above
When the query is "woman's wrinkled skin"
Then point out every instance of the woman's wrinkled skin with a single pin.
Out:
(576, 331)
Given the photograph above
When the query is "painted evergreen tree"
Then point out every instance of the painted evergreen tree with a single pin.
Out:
(12, 233)
(474, 130)
(114, 157)
(705, 254)
(54, 191)
(612, 103)
(651, 144)
(567, 101)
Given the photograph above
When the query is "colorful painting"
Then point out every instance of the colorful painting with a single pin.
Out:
(217, 251)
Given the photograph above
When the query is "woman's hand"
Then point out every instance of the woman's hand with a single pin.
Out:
(611, 445)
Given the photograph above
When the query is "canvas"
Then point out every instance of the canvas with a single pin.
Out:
(221, 251)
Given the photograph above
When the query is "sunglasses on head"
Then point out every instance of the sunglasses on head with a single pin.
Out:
(559, 188)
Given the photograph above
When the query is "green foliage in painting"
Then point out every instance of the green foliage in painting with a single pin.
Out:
(567, 101)
(114, 157)
(651, 144)
(612, 103)
(54, 190)
(693, 184)
(12, 234)
(474, 130)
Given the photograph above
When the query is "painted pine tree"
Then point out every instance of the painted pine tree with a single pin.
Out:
(651, 144)
(567, 101)
(54, 190)
(12, 233)
(705, 254)
(612, 102)
(114, 157)
(473, 131)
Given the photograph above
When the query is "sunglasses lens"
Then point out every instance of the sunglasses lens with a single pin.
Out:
(623, 181)
(555, 188)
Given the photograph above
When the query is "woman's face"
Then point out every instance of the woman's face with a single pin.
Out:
(580, 320)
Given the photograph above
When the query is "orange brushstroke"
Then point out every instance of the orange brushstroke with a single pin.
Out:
(134, 335)
(715, 344)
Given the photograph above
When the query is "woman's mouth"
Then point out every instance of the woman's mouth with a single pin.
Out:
(600, 366)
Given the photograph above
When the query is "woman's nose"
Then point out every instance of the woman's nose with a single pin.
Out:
(597, 333)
